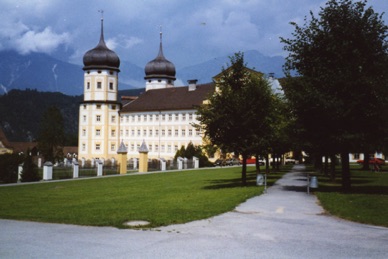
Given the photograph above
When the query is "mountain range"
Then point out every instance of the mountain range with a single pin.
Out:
(47, 74)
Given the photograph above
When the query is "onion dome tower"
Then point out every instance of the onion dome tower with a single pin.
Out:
(98, 116)
(159, 73)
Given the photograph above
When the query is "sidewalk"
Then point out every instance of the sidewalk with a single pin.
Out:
(284, 223)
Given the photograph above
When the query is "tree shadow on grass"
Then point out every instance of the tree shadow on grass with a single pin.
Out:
(229, 183)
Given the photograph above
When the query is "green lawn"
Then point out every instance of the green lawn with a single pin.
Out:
(162, 199)
(367, 202)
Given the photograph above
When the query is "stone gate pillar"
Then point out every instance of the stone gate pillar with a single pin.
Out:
(122, 153)
(143, 159)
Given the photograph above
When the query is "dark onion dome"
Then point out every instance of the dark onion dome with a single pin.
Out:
(101, 57)
(160, 67)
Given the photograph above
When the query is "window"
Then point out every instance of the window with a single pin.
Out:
(84, 132)
(112, 147)
(98, 106)
(98, 147)
(127, 118)
(184, 117)
(157, 117)
(83, 147)
(113, 119)
(151, 132)
(169, 133)
(98, 132)
(176, 133)
(98, 118)
(138, 132)
(169, 148)
(183, 133)
(88, 85)
(113, 133)
(144, 133)
(132, 132)
(197, 132)
(99, 85)
(126, 133)
(162, 149)
(132, 147)
(156, 148)
(176, 148)
(170, 117)
(145, 117)
(121, 133)
(84, 107)
(84, 118)
(190, 116)
(110, 85)
(113, 107)
(190, 132)
(163, 132)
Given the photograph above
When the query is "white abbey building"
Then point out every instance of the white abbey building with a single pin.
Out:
(162, 117)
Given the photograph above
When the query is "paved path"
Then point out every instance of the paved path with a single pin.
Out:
(284, 223)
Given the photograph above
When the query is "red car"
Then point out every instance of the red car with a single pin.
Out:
(373, 161)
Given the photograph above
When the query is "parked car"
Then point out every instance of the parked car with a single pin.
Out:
(219, 162)
(233, 161)
(373, 161)
(289, 161)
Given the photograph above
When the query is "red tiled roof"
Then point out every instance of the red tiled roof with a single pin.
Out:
(175, 98)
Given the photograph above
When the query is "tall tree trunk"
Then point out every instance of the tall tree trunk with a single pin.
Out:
(365, 164)
(332, 167)
(267, 163)
(244, 171)
(326, 165)
(346, 181)
(257, 164)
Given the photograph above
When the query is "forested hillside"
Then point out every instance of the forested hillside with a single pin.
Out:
(21, 112)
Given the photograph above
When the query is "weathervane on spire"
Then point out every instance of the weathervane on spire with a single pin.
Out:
(160, 32)
(102, 13)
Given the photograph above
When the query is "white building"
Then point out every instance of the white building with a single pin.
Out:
(163, 116)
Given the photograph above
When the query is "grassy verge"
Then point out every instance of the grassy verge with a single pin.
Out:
(162, 199)
(367, 202)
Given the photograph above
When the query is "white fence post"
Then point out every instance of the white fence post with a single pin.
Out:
(47, 171)
(162, 164)
(196, 162)
(75, 169)
(99, 167)
(180, 163)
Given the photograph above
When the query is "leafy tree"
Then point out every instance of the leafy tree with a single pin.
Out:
(190, 151)
(30, 170)
(9, 167)
(52, 136)
(235, 116)
(342, 59)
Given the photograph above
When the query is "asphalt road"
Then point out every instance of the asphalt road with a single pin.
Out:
(283, 223)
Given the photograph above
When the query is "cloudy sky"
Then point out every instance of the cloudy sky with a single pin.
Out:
(193, 31)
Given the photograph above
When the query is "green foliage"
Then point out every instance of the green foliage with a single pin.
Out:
(9, 167)
(51, 136)
(191, 151)
(341, 96)
(238, 117)
(30, 170)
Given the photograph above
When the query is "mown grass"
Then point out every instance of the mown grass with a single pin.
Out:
(367, 202)
(162, 198)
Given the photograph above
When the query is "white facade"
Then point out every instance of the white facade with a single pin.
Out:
(164, 132)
